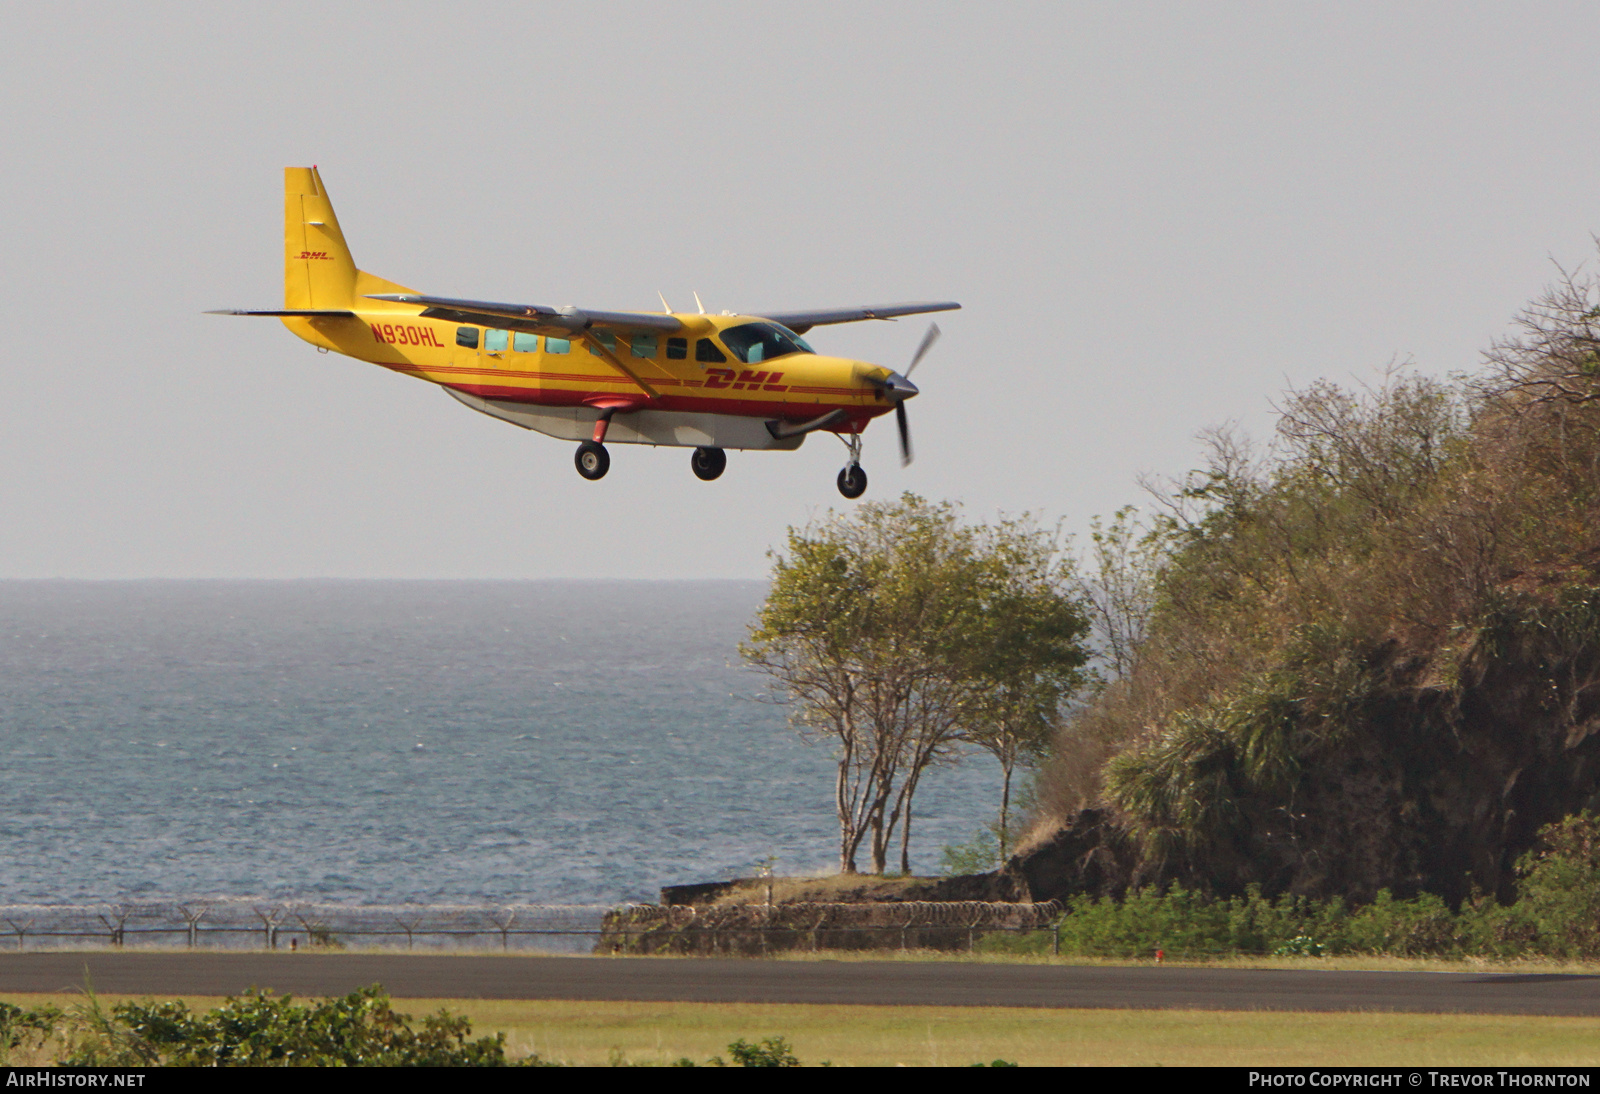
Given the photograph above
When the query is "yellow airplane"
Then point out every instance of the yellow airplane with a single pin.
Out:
(711, 382)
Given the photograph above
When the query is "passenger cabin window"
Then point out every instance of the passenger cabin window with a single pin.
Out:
(677, 349)
(706, 352)
(494, 341)
(557, 345)
(753, 343)
(467, 336)
(605, 338)
(525, 343)
(644, 345)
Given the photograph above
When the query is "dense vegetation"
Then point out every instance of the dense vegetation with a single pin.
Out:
(1363, 657)
(1556, 915)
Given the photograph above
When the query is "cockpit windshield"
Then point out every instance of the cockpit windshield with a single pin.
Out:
(753, 343)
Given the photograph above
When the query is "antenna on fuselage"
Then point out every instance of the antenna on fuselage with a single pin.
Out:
(697, 303)
(664, 305)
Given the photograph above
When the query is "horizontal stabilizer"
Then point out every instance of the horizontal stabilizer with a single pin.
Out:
(281, 313)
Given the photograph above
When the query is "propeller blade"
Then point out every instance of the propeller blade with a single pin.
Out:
(905, 433)
(927, 343)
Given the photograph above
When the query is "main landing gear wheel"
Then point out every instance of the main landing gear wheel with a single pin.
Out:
(853, 481)
(708, 463)
(593, 460)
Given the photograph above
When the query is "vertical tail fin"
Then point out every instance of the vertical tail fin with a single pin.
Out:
(318, 271)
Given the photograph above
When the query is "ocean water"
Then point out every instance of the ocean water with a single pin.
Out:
(407, 741)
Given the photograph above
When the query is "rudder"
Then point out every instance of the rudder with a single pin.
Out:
(318, 271)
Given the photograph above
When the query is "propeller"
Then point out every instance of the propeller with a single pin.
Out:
(903, 389)
(927, 343)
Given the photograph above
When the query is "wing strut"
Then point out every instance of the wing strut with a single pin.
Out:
(615, 362)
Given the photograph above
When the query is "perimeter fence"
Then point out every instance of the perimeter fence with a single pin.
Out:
(749, 929)
(252, 924)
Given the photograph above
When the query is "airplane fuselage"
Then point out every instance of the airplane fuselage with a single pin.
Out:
(560, 386)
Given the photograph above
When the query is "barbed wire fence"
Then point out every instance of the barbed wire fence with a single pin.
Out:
(745, 929)
(233, 923)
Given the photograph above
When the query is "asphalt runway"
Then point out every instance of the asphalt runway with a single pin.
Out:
(881, 983)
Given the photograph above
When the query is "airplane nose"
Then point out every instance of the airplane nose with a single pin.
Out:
(898, 388)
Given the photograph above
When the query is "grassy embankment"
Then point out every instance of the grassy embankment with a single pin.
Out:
(660, 1033)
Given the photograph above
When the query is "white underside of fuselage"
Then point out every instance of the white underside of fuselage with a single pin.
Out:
(659, 427)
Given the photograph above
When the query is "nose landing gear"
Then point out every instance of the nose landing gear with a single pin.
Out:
(708, 463)
(853, 480)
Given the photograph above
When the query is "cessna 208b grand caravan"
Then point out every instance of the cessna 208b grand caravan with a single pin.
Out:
(710, 382)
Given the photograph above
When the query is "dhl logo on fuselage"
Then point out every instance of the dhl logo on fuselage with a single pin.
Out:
(727, 377)
(405, 334)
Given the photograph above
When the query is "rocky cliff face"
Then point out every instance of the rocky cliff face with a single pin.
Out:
(1428, 786)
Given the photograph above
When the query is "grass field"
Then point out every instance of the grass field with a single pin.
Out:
(660, 1033)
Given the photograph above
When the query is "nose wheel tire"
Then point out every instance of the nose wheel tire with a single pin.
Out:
(593, 460)
(853, 481)
(708, 463)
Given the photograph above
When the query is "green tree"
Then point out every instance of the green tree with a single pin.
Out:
(1026, 653)
(1125, 560)
(852, 634)
(898, 633)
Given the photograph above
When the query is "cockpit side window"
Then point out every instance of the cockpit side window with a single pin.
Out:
(752, 343)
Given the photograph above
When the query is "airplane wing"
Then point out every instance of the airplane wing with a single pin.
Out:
(802, 321)
(533, 318)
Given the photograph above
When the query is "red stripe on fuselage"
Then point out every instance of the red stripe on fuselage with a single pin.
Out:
(679, 403)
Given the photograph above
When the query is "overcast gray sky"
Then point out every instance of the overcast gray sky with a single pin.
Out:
(1155, 215)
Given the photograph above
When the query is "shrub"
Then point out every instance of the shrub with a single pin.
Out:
(361, 1029)
(1558, 903)
(25, 1028)
(773, 1052)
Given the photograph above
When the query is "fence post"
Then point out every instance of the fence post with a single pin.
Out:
(269, 917)
(504, 919)
(314, 929)
(116, 925)
(1055, 941)
(192, 914)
